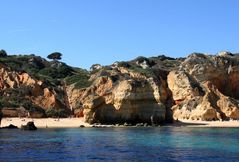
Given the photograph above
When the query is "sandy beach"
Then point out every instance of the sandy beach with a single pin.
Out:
(193, 123)
(77, 122)
(46, 122)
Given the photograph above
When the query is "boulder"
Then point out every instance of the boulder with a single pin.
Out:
(29, 126)
(10, 127)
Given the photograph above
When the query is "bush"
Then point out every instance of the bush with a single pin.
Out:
(124, 64)
(74, 79)
(163, 57)
(171, 63)
(3, 53)
(149, 62)
(80, 79)
(30, 64)
(4, 103)
(141, 59)
(57, 72)
(146, 72)
(82, 84)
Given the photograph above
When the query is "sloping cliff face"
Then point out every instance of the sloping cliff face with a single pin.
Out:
(206, 87)
(22, 94)
(21, 87)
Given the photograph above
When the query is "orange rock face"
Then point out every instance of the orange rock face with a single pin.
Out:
(38, 94)
(116, 99)
(206, 88)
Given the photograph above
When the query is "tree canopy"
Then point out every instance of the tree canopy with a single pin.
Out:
(55, 56)
(3, 53)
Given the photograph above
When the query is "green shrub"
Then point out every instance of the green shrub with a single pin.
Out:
(82, 84)
(149, 62)
(55, 56)
(147, 72)
(171, 63)
(80, 79)
(57, 72)
(124, 64)
(74, 79)
(3, 53)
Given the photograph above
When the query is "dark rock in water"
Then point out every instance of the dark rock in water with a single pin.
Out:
(82, 126)
(10, 127)
(29, 126)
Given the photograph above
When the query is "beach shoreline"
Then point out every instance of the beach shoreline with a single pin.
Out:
(194, 123)
(46, 122)
(79, 122)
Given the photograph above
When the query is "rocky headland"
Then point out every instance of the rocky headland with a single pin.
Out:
(153, 90)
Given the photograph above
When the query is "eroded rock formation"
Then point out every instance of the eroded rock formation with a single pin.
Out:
(144, 90)
(200, 87)
(206, 87)
(21, 87)
(122, 96)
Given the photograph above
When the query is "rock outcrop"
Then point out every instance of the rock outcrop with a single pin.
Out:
(9, 127)
(121, 96)
(206, 87)
(29, 126)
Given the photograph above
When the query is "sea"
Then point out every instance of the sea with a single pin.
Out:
(121, 144)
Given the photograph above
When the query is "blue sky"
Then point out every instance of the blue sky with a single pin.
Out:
(104, 31)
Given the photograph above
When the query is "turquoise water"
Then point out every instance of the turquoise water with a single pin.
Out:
(121, 144)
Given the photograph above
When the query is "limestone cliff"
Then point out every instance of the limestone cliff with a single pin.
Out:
(22, 94)
(120, 95)
(199, 87)
(205, 87)
(33, 90)
(147, 90)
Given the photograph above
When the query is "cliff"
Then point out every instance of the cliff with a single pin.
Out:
(206, 87)
(144, 90)
(32, 86)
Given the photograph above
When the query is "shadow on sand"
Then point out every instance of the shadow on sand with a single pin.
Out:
(185, 124)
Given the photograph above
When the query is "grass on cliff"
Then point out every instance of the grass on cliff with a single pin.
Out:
(147, 72)
(136, 68)
(80, 79)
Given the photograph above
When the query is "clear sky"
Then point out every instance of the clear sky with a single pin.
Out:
(104, 31)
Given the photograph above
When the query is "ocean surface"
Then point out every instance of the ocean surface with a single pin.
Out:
(121, 144)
